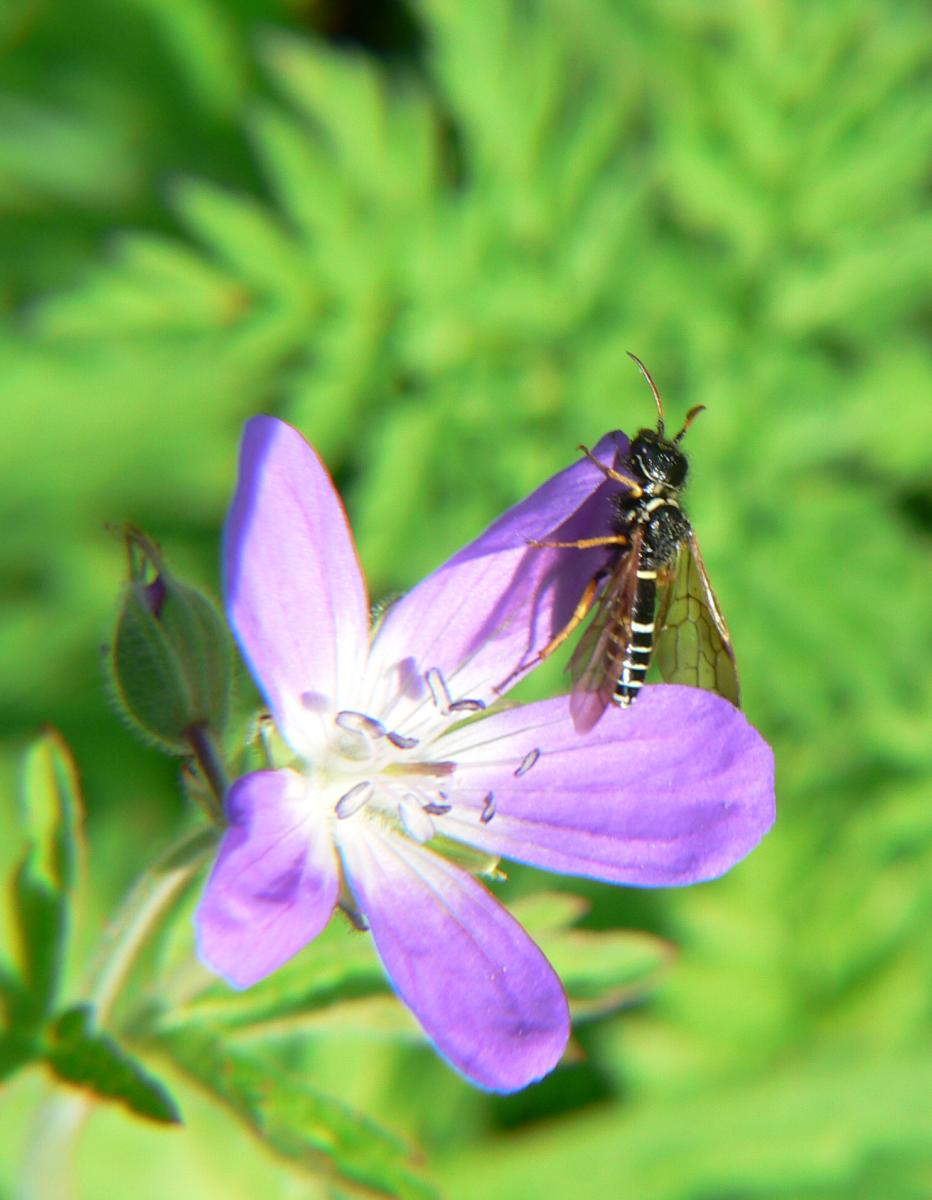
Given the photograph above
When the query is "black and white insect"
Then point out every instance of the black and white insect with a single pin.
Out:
(653, 597)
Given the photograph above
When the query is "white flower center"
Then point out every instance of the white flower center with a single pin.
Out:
(368, 771)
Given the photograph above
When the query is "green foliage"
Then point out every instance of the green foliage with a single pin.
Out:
(433, 261)
(43, 882)
(812, 1130)
(338, 985)
(601, 971)
(43, 886)
(86, 1058)
(292, 1117)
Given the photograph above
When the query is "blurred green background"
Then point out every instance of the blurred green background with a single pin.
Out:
(427, 234)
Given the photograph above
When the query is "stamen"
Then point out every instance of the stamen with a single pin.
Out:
(527, 762)
(355, 917)
(488, 809)
(264, 728)
(357, 722)
(439, 692)
(415, 819)
(420, 768)
(356, 798)
(438, 808)
(467, 706)
(401, 741)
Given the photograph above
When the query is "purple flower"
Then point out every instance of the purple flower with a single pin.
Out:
(386, 755)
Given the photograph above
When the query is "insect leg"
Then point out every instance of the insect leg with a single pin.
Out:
(612, 539)
(610, 473)
(580, 612)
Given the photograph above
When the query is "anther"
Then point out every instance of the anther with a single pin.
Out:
(488, 809)
(467, 706)
(357, 722)
(402, 742)
(355, 917)
(437, 808)
(527, 762)
(439, 692)
(356, 798)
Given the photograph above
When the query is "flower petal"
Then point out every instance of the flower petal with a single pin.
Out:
(674, 790)
(488, 611)
(274, 884)
(295, 594)
(480, 987)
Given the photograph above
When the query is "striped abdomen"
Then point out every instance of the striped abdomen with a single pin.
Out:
(641, 643)
(664, 525)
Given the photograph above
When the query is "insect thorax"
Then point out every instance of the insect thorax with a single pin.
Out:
(665, 527)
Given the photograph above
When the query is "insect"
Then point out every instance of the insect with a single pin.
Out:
(653, 596)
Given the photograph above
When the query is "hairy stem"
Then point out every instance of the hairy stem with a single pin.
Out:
(200, 738)
(140, 916)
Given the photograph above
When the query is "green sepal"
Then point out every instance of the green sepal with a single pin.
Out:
(172, 657)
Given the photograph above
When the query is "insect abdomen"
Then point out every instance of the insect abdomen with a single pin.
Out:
(641, 643)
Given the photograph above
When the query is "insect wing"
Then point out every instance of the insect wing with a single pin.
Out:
(596, 662)
(694, 645)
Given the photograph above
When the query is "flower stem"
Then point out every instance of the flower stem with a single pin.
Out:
(207, 754)
(141, 913)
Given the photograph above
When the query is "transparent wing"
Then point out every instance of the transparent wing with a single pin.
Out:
(693, 644)
(596, 662)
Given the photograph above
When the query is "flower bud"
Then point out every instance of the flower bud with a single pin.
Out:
(171, 653)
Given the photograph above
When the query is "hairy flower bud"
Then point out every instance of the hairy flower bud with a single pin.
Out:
(171, 653)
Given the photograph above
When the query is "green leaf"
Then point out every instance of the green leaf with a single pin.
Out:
(810, 1123)
(293, 1118)
(243, 235)
(602, 970)
(340, 93)
(81, 1055)
(345, 970)
(151, 285)
(17, 1050)
(45, 876)
(53, 811)
(41, 915)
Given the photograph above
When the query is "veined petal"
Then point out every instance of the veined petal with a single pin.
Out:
(491, 608)
(295, 594)
(480, 987)
(274, 884)
(674, 790)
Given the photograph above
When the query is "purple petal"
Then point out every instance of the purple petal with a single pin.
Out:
(496, 603)
(482, 990)
(274, 884)
(674, 790)
(295, 594)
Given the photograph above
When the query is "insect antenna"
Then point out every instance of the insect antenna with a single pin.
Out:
(653, 388)
(690, 417)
